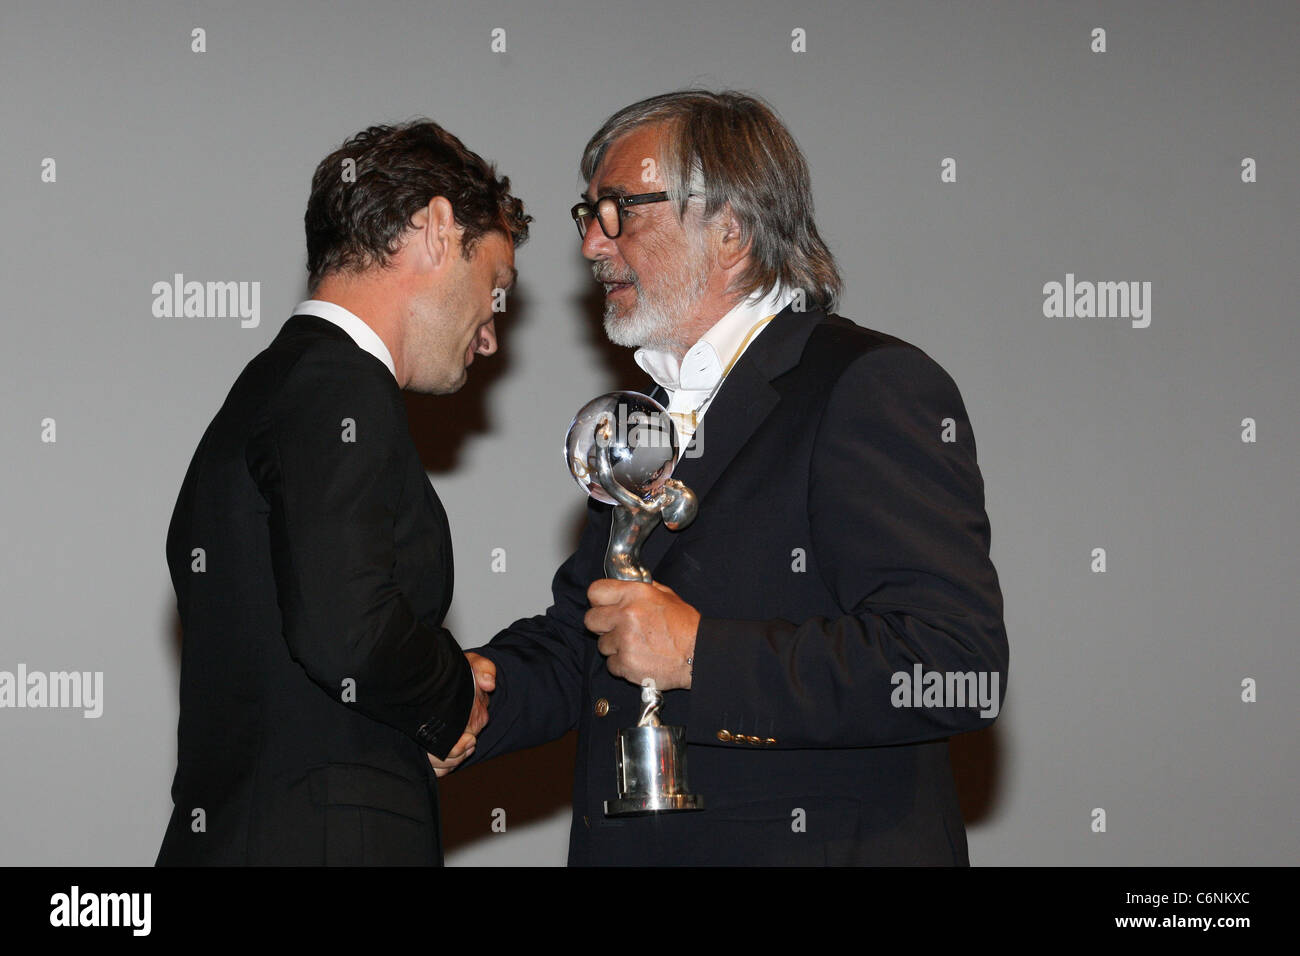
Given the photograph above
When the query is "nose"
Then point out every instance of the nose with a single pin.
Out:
(487, 338)
(596, 245)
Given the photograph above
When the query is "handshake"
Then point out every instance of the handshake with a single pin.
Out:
(485, 681)
(643, 630)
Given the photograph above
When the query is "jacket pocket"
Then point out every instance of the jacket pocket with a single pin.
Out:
(359, 785)
(374, 817)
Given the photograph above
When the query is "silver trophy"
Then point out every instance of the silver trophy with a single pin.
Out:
(621, 449)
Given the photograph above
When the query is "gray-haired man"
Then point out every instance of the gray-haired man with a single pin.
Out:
(841, 538)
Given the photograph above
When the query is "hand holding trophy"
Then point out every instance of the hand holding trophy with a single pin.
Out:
(621, 448)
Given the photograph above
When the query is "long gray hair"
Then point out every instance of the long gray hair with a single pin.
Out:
(732, 149)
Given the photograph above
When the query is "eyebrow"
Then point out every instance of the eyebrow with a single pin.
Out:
(611, 191)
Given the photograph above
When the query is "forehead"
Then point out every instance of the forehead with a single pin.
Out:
(623, 168)
(497, 252)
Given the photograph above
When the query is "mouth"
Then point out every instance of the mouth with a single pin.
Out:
(614, 288)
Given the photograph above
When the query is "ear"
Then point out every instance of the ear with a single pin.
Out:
(437, 233)
(731, 250)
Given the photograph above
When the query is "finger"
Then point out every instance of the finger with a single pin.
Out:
(616, 664)
(609, 643)
(443, 767)
(600, 620)
(478, 719)
(485, 671)
(606, 591)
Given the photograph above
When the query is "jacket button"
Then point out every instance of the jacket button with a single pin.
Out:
(602, 707)
(754, 740)
(769, 741)
(724, 736)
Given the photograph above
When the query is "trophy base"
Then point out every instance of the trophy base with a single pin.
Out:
(657, 803)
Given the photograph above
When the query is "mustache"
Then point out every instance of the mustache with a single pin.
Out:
(604, 272)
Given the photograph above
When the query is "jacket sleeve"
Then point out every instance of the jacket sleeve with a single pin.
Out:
(327, 458)
(901, 540)
(542, 661)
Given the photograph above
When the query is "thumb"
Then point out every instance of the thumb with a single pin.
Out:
(485, 672)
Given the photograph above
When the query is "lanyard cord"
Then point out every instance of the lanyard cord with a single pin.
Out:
(693, 415)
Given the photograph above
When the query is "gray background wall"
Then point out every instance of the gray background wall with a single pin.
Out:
(1125, 689)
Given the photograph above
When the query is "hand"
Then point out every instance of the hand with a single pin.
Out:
(464, 747)
(645, 630)
(485, 672)
(485, 681)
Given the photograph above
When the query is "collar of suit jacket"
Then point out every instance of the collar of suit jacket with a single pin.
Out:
(709, 359)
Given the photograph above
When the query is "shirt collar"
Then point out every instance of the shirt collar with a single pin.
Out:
(365, 337)
(708, 360)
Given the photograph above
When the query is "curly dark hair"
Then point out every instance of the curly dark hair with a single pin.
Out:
(359, 211)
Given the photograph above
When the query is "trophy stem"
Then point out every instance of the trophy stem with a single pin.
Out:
(651, 701)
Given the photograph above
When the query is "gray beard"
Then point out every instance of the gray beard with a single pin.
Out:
(656, 325)
(646, 327)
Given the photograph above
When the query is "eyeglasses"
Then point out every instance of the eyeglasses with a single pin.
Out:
(609, 212)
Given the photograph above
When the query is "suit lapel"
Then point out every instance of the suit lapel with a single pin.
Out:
(743, 403)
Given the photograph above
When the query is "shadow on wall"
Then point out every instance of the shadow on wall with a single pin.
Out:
(440, 425)
(529, 785)
(621, 371)
(976, 760)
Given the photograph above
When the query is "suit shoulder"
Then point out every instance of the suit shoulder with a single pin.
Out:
(843, 347)
(301, 373)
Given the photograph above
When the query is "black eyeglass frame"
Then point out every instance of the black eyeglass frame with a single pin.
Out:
(593, 209)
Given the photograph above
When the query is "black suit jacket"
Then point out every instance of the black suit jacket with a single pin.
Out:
(315, 672)
(840, 540)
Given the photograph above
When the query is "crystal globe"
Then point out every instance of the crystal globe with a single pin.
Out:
(637, 434)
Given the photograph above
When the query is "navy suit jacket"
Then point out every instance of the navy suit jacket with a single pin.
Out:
(840, 541)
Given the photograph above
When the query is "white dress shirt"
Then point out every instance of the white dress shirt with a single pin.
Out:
(692, 384)
(365, 337)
